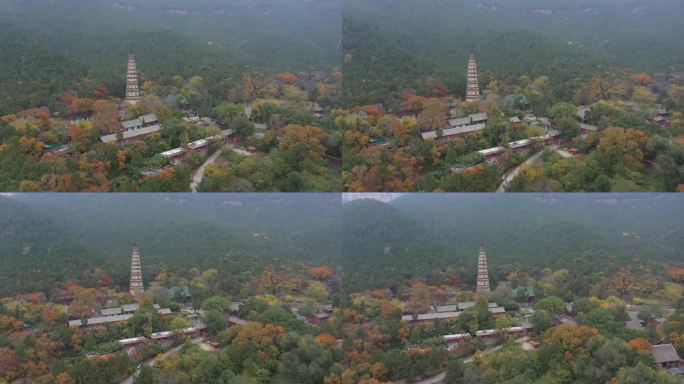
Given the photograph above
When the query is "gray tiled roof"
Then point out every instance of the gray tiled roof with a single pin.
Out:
(460, 121)
(432, 316)
(150, 118)
(110, 311)
(486, 332)
(101, 320)
(491, 151)
(664, 353)
(634, 324)
(131, 133)
(454, 131)
(478, 116)
(130, 307)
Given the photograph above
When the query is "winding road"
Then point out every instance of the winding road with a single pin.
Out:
(512, 174)
(199, 172)
(198, 175)
(439, 378)
(436, 379)
(151, 362)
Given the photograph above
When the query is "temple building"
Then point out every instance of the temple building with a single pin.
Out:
(132, 88)
(473, 89)
(482, 273)
(136, 287)
(135, 129)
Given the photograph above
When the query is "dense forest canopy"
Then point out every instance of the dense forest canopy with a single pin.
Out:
(61, 236)
(558, 39)
(376, 244)
(387, 244)
(48, 45)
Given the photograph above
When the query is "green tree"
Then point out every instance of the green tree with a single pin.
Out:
(215, 321)
(454, 372)
(551, 304)
(216, 303)
(229, 113)
(147, 375)
(568, 127)
(541, 320)
(243, 128)
(178, 323)
(562, 111)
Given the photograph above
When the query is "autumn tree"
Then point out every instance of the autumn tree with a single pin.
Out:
(253, 343)
(326, 339)
(433, 115)
(599, 88)
(676, 274)
(622, 281)
(105, 116)
(639, 344)
(287, 78)
(621, 146)
(64, 378)
(85, 300)
(317, 291)
(421, 297)
(642, 79)
(320, 273)
(301, 143)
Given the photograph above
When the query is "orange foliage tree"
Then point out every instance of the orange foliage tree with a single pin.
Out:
(326, 339)
(320, 273)
(631, 142)
(433, 116)
(642, 79)
(311, 138)
(639, 344)
(105, 116)
(287, 78)
(676, 274)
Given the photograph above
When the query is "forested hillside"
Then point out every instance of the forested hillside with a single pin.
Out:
(416, 234)
(553, 38)
(376, 244)
(233, 234)
(48, 45)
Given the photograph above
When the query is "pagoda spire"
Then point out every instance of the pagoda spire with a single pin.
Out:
(473, 88)
(132, 87)
(482, 272)
(136, 287)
